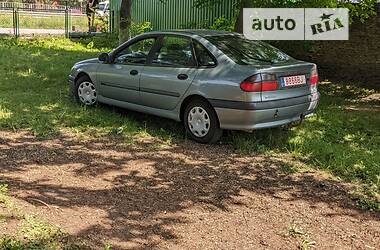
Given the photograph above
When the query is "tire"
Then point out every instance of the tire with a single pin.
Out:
(85, 92)
(201, 122)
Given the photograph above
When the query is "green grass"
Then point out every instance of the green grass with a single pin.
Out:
(6, 20)
(305, 242)
(28, 21)
(32, 233)
(34, 95)
(35, 234)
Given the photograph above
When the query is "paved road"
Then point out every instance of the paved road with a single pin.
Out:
(9, 31)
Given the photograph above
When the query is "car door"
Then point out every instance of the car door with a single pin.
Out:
(120, 79)
(169, 72)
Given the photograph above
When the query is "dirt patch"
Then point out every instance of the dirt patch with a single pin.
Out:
(362, 108)
(8, 222)
(187, 196)
(372, 98)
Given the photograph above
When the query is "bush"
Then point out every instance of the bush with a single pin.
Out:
(140, 28)
(361, 12)
(102, 24)
(222, 23)
(104, 41)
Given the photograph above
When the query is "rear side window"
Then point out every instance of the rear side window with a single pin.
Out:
(204, 57)
(174, 51)
(247, 52)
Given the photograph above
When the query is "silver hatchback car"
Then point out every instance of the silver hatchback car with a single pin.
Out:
(210, 80)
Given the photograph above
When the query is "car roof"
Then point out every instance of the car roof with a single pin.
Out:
(197, 32)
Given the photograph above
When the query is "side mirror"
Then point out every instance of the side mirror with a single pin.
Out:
(104, 58)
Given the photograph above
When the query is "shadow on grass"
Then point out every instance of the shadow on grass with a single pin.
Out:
(34, 95)
(343, 141)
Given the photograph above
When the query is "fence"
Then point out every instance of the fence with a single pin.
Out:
(179, 14)
(36, 7)
(40, 19)
(114, 15)
(24, 18)
(173, 14)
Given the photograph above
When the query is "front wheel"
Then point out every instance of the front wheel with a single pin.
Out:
(85, 91)
(201, 122)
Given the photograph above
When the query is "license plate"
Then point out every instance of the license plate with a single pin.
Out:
(291, 81)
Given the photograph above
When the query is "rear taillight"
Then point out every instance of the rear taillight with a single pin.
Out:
(314, 76)
(259, 83)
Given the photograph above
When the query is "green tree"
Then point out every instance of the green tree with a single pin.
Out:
(360, 11)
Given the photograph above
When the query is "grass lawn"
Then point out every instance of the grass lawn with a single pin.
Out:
(342, 139)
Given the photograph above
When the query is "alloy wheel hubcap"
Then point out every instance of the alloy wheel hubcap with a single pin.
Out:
(87, 93)
(199, 121)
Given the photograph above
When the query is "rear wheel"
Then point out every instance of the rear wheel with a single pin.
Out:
(85, 91)
(201, 122)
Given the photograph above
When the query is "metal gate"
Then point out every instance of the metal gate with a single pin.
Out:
(179, 14)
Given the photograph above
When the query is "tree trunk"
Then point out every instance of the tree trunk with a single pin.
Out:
(125, 20)
(239, 20)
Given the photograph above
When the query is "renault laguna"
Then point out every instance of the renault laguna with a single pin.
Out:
(209, 80)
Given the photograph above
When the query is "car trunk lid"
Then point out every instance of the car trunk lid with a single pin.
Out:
(290, 76)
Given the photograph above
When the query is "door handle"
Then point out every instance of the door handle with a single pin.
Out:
(182, 76)
(134, 72)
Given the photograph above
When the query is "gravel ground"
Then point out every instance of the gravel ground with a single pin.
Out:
(187, 196)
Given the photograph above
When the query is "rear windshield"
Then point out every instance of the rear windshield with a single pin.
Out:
(248, 52)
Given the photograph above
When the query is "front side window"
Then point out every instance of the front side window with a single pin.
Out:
(248, 52)
(204, 57)
(136, 53)
(174, 51)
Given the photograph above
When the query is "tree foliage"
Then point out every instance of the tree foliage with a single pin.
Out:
(358, 11)
(364, 5)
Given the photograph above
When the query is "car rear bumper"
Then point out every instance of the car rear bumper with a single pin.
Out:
(259, 115)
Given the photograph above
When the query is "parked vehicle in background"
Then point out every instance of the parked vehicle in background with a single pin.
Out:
(103, 9)
(209, 80)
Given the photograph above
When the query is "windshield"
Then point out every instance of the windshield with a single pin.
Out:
(248, 52)
(101, 6)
